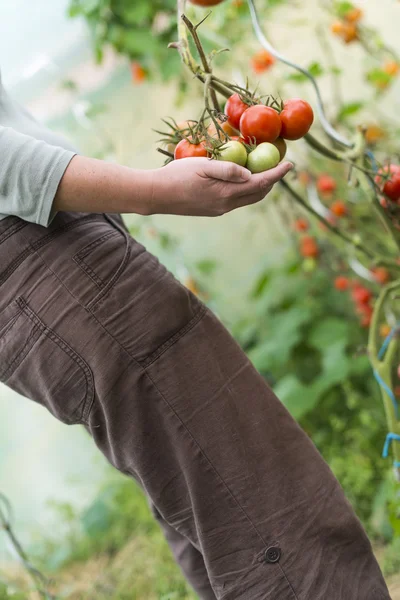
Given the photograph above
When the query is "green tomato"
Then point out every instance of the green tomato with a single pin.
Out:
(233, 152)
(265, 156)
(309, 265)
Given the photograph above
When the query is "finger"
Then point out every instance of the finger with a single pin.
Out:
(225, 171)
(250, 199)
(258, 184)
(271, 176)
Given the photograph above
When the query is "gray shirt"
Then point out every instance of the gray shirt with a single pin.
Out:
(32, 162)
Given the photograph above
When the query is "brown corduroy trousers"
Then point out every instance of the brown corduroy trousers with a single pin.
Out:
(94, 328)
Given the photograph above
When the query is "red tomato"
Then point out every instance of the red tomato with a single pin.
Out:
(261, 123)
(361, 295)
(186, 149)
(206, 2)
(342, 283)
(234, 108)
(381, 274)
(297, 117)
(301, 224)
(139, 75)
(391, 186)
(326, 184)
(309, 247)
(262, 61)
(339, 208)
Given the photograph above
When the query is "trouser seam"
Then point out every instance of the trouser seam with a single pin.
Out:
(204, 454)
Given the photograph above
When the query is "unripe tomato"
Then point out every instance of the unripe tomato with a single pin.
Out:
(349, 33)
(391, 67)
(282, 147)
(234, 108)
(260, 123)
(342, 283)
(326, 184)
(390, 187)
(206, 2)
(233, 152)
(339, 208)
(186, 149)
(297, 117)
(265, 156)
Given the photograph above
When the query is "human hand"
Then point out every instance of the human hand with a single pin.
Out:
(209, 188)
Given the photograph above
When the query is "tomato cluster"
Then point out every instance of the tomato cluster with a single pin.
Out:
(347, 28)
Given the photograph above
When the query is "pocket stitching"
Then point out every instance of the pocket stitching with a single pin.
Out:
(56, 339)
(21, 355)
(84, 252)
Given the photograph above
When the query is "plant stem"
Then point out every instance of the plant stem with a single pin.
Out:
(377, 259)
(207, 69)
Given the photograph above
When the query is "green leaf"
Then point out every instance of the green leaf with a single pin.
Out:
(328, 332)
(350, 109)
(206, 266)
(260, 285)
(342, 8)
(314, 68)
(298, 398)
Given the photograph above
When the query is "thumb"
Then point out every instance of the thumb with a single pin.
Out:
(226, 171)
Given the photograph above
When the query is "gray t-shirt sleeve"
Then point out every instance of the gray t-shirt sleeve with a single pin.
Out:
(30, 172)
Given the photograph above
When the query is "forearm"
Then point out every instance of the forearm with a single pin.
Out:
(91, 185)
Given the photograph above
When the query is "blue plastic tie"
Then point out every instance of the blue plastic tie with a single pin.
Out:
(388, 391)
(391, 437)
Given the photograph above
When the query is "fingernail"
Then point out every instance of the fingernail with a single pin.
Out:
(246, 174)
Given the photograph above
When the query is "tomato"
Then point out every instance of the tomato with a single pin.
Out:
(381, 274)
(309, 247)
(233, 152)
(237, 138)
(341, 283)
(264, 157)
(374, 133)
(234, 108)
(391, 186)
(297, 117)
(301, 225)
(186, 149)
(206, 2)
(139, 75)
(260, 123)
(391, 67)
(326, 184)
(384, 330)
(225, 126)
(339, 208)
(281, 145)
(354, 15)
(361, 295)
(349, 33)
(262, 61)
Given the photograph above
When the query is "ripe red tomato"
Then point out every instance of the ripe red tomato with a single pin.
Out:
(339, 208)
(186, 149)
(391, 186)
(381, 274)
(361, 295)
(297, 117)
(262, 61)
(309, 247)
(206, 2)
(301, 224)
(234, 109)
(260, 123)
(326, 184)
(342, 283)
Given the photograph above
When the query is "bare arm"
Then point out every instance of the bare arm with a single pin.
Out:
(197, 187)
